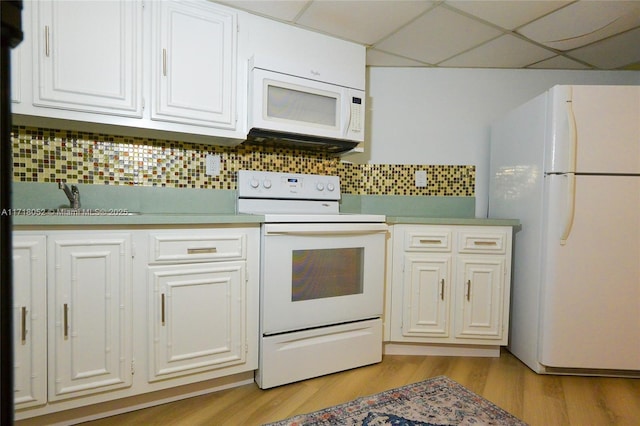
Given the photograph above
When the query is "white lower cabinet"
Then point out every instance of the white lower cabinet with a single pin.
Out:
(197, 299)
(89, 313)
(480, 296)
(426, 296)
(72, 324)
(450, 285)
(106, 314)
(29, 320)
(183, 298)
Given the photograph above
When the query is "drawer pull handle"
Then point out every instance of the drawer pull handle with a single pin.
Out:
(485, 243)
(430, 241)
(442, 289)
(468, 290)
(46, 41)
(65, 313)
(162, 308)
(164, 62)
(24, 324)
(204, 250)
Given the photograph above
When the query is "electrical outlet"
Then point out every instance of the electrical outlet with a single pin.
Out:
(421, 178)
(212, 165)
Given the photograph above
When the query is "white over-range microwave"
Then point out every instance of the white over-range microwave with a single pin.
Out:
(303, 112)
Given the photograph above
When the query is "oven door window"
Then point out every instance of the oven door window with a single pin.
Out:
(322, 273)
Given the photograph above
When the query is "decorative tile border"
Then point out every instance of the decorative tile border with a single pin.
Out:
(388, 179)
(50, 155)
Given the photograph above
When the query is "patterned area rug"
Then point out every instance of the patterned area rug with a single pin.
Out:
(434, 402)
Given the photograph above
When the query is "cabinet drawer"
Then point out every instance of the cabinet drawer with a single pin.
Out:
(196, 248)
(479, 241)
(437, 240)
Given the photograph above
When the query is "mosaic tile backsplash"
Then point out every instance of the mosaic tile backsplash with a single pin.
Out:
(50, 155)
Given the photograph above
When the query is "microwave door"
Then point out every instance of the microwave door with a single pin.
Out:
(303, 113)
(292, 104)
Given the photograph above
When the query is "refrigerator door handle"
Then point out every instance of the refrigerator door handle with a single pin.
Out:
(571, 193)
(571, 208)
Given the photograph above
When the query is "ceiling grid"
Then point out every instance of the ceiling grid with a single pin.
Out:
(537, 34)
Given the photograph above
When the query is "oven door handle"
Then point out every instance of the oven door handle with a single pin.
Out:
(324, 228)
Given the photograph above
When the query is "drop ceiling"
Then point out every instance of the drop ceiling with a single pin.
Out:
(547, 34)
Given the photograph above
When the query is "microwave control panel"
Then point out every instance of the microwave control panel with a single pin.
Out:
(356, 114)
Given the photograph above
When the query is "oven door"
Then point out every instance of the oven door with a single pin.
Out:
(317, 274)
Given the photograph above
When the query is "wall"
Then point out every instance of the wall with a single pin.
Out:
(442, 116)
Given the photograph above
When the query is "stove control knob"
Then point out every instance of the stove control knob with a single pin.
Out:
(320, 186)
(254, 183)
(266, 183)
(330, 187)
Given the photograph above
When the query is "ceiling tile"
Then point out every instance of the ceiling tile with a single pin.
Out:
(362, 21)
(582, 23)
(507, 14)
(436, 36)
(615, 52)
(376, 58)
(599, 34)
(506, 51)
(281, 10)
(559, 63)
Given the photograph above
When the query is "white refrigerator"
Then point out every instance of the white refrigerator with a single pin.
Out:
(567, 164)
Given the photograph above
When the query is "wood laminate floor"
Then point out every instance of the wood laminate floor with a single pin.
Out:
(505, 381)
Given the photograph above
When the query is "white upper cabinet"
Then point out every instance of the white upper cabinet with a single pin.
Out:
(16, 74)
(194, 63)
(305, 53)
(174, 69)
(87, 56)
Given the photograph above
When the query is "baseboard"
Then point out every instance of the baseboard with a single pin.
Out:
(441, 350)
(137, 402)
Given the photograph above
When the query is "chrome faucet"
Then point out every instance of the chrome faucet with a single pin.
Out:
(72, 194)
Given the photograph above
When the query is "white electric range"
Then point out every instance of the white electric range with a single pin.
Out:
(321, 277)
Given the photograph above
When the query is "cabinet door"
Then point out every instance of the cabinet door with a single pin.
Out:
(88, 56)
(17, 74)
(194, 64)
(90, 309)
(479, 294)
(197, 318)
(29, 319)
(426, 286)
